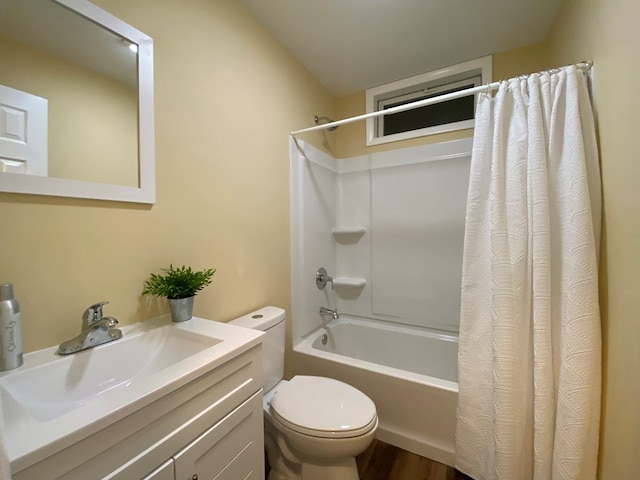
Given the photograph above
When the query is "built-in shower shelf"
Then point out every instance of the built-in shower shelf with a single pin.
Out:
(348, 234)
(349, 282)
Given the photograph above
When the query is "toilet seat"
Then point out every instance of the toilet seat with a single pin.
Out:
(322, 407)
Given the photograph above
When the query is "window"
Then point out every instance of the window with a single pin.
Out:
(456, 114)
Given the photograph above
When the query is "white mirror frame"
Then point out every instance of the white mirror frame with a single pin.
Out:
(146, 192)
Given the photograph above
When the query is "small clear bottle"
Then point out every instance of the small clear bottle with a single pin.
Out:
(10, 329)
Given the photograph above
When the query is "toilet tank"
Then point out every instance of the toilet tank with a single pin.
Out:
(271, 321)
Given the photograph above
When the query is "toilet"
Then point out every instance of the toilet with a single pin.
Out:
(314, 427)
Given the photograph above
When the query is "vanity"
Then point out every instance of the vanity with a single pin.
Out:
(166, 401)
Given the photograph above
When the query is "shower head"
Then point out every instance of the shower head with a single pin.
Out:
(318, 119)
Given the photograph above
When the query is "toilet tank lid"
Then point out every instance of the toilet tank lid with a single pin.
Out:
(262, 319)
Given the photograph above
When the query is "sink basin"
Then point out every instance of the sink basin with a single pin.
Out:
(53, 401)
(47, 391)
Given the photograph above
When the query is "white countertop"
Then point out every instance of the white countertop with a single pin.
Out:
(94, 388)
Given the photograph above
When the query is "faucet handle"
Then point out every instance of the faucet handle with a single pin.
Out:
(322, 278)
(92, 314)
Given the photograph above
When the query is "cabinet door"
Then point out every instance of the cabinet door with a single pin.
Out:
(163, 472)
(232, 449)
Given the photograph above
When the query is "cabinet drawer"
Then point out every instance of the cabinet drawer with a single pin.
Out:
(163, 472)
(230, 450)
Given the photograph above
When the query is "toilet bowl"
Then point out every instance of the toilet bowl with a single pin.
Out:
(314, 426)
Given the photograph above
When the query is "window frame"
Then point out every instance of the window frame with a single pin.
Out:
(419, 85)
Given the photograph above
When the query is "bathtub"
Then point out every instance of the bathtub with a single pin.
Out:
(410, 374)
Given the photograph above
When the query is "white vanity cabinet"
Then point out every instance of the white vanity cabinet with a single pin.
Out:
(210, 428)
(227, 451)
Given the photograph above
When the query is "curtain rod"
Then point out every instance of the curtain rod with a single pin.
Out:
(585, 66)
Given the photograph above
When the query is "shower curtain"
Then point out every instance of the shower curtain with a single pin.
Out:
(530, 348)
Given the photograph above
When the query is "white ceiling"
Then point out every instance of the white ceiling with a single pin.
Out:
(351, 45)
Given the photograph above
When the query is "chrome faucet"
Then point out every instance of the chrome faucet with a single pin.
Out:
(96, 330)
(327, 312)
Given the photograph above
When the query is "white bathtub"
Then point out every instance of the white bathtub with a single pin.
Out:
(409, 373)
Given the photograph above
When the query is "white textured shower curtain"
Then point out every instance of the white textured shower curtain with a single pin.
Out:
(530, 346)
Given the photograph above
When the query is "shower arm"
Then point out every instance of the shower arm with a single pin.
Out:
(317, 120)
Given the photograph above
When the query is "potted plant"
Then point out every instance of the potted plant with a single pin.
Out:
(180, 286)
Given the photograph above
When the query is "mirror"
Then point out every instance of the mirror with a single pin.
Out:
(76, 102)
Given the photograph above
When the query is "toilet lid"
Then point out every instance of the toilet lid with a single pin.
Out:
(323, 407)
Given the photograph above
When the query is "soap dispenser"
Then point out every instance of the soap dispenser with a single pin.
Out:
(10, 329)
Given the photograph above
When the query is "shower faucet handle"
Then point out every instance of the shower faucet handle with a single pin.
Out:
(322, 278)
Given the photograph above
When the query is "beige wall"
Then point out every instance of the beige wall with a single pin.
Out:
(103, 146)
(351, 138)
(226, 95)
(606, 31)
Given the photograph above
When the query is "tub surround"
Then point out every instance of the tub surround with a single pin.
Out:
(388, 227)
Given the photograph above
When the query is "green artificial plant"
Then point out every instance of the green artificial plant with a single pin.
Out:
(181, 282)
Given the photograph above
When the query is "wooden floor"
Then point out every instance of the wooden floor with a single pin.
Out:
(386, 462)
(382, 461)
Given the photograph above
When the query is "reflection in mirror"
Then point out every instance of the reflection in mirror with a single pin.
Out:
(75, 102)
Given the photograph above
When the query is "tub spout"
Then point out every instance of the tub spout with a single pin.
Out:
(327, 312)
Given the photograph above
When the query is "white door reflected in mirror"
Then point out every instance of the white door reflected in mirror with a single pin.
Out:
(23, 132)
